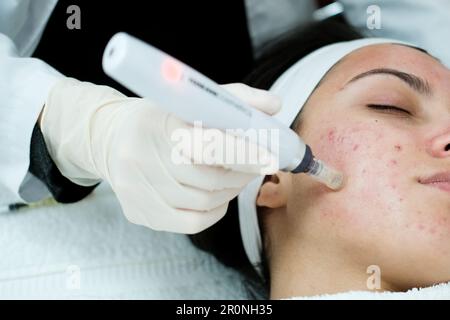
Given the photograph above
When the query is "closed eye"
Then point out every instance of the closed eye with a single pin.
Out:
(388, 109)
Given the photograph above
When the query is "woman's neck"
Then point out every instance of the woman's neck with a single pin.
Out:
(309, 270)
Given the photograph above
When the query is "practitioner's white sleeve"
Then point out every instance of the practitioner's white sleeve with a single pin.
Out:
(24, 86)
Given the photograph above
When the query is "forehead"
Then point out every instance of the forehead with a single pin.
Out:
(393, 56)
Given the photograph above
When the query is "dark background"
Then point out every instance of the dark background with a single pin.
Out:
(211, 36)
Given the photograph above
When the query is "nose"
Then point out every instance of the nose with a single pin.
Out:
(440, 145)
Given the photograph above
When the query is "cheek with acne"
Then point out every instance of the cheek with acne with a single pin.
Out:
(343, 147)
(364, 154)
(438, 229)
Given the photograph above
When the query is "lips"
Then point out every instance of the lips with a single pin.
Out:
(440, 180)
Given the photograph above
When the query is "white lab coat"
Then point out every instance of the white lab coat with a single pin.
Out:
(24, 84)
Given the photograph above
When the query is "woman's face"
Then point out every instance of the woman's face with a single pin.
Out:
(382, 117)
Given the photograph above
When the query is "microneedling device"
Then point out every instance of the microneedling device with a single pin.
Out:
(191, 96)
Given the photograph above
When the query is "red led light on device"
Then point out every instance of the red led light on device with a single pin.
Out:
(171, 70)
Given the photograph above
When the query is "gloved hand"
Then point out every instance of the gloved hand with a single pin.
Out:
(94, 132)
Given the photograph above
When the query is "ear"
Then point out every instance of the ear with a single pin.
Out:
(275, 190)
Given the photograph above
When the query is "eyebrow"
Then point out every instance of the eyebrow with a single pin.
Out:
(416, 83)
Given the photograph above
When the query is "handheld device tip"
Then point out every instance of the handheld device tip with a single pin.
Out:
(331, 178)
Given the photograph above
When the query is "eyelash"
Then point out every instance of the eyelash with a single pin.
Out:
(388, 108)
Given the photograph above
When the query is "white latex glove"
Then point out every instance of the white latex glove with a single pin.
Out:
(94, 132)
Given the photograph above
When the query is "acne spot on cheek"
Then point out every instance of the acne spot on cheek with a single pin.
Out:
(355, 147)
(398, 148)
(438, 228)
(443, 225)
(331, 135)
(393, 162)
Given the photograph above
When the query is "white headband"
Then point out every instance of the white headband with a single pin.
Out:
(294, 87)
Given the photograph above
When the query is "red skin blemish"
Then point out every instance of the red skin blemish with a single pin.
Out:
(331, 135)
(421, 227)
(442, 221)
(393, 162)
(355, 147)
(398, 147)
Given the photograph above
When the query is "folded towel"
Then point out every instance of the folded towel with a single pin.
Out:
(440, 291)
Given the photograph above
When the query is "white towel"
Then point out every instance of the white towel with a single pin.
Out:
(440, 291)
(88, 250)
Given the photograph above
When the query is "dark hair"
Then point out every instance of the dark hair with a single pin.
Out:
(223, 239)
